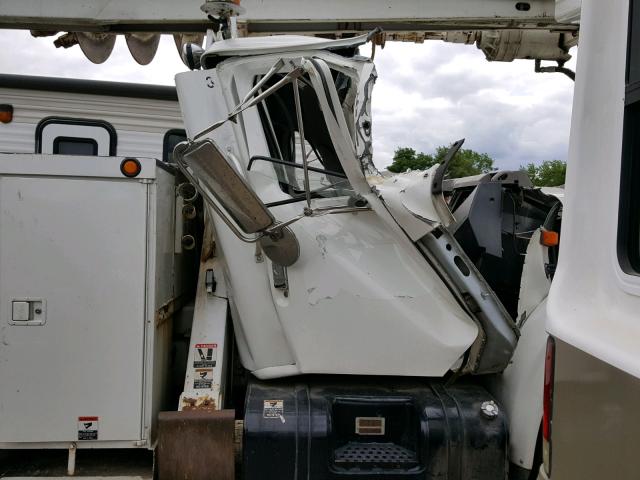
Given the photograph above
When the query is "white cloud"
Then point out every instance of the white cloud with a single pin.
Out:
(426, 95)
(433, 94)
(26, 55)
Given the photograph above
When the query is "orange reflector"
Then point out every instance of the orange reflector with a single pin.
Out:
(6, 113)
(549, 238)
(130, 167)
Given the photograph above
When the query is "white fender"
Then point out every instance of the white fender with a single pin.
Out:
(519, 388)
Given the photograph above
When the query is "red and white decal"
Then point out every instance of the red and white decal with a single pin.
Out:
(88, 428)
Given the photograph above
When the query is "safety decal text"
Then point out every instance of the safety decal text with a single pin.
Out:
(273, 409)
(88, 428)
(205, 355)
(203, 378)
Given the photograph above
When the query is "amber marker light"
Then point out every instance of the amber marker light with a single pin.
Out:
(6, 113)
(130, 167)
(549, 238)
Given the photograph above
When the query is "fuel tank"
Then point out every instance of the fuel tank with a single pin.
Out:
(379, 428)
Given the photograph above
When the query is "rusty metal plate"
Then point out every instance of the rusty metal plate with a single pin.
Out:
(196, 445)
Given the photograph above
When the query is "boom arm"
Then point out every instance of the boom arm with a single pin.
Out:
(503, 29)
(282, 16)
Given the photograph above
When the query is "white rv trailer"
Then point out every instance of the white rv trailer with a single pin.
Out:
(53, 115)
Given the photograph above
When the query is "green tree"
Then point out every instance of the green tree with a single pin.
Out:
(405, 158)
(466, 162)
(550, 173)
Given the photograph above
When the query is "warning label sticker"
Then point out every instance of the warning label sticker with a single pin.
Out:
(273, 409)
(203, 378)
(205, 355)
(87, 428)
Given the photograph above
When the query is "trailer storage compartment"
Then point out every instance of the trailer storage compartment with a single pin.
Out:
(86, 263)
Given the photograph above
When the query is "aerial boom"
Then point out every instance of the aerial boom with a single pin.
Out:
(503, 29)
(282, 16)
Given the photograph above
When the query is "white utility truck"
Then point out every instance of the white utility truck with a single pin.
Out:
(335, 322)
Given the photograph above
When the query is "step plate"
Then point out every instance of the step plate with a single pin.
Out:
(374, 455)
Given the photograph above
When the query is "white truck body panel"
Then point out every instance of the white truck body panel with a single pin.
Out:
(519, 386)
(98, 321)
(590, 284)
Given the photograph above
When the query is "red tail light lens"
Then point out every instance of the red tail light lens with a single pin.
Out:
(547, 403)
(6, 113)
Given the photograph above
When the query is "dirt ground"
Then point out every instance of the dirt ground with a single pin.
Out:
(111, 464)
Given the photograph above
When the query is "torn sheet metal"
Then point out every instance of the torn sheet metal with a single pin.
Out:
(235, 47)
(407, 197)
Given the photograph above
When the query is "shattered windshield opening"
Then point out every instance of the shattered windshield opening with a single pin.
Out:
(278, 117)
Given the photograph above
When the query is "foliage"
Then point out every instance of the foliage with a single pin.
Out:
(466, 162)
(406, 158)
(550, 173)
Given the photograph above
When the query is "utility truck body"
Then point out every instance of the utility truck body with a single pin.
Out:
(278, 291)
(87, 260)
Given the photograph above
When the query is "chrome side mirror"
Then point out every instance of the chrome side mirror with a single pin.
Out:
(218, 181)
(191, 54)
(209, 170)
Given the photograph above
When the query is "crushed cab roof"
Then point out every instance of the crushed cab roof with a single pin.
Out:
(248, 46)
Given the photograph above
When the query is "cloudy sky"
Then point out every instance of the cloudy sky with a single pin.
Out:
(426, 95)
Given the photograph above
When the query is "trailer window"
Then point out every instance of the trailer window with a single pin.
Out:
(75, 136)
(75, 146)
(171, 139)
(629, 216)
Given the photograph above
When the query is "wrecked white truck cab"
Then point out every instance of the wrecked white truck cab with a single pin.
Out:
(331, 268)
